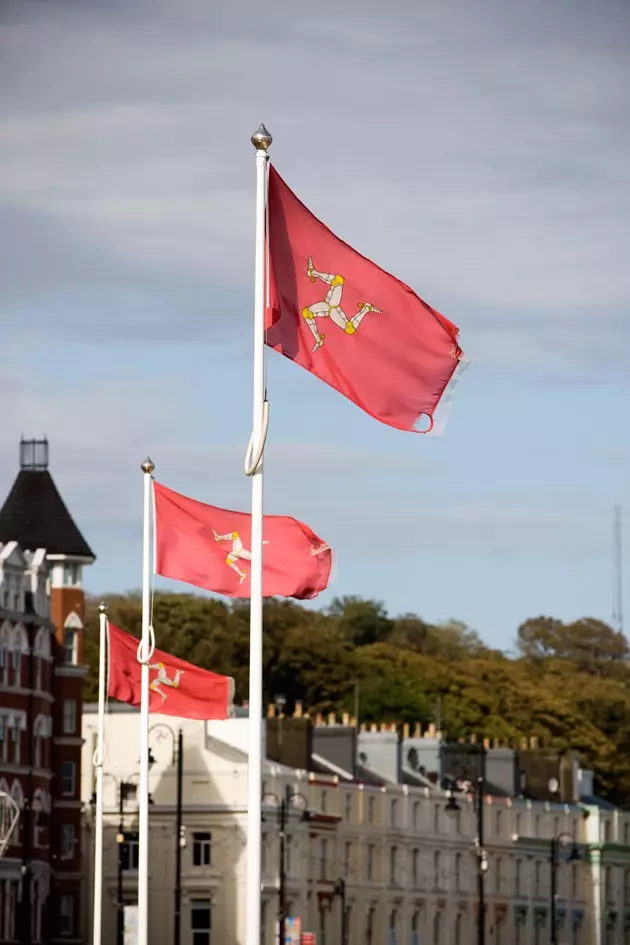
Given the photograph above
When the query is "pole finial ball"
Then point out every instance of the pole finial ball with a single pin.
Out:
(261, 139)
(147, 466)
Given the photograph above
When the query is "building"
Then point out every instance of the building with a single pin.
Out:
(406, 852)
(41, 687)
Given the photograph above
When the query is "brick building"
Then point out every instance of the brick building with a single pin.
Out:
(42, 607)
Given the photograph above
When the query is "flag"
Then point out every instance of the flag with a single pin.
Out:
(210, 548)
(350, 323)
(175, 686)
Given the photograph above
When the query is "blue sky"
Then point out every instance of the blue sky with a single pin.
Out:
(480, 152)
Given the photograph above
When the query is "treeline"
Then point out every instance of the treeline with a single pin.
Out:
(568, 684)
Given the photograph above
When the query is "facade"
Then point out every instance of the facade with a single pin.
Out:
(406, 853)
(42, 554)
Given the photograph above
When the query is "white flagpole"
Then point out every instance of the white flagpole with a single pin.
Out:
(254, 468)
(144, 655)
(99, 758)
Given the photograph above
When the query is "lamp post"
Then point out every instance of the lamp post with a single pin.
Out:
(340, 890)
(291, 801)
(180, 842)
(482, 856)
(554, 860)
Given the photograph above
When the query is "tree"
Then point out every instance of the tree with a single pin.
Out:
(362, 621)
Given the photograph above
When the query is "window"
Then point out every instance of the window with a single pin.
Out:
(518, 878)
(608, 884)
(394, 813)
(626, 887)
(200, 921)
(66, 914)
(393, 864)
(607, 831)
(10, 910)
(537, 877)
(348, 807)
(497, 822)
(414, 866)
(415, 923)
(458, 872)
(202, 849)
(416, 815)
(4, 739)
(4, 665)
(70, 575)
(436, 818)
(347, 857)
(436, 868)
(67, 841)
(68, 778)
(17, 742)
(37, 750)
(38, 673)
(371, 805)
(369, 927)
(324, 801)
(393, 919)
(518, 824)
(626, 834)
(323, 850)
(498, 873)
(288, 856)
(70, 646)
(129, 851)
(437, 929)
(370, 861)
(458, 929)
(16, 665)
(69, 717)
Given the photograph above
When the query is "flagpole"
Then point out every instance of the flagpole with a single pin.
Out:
(144, 655)
(254, 467)
(98, 764)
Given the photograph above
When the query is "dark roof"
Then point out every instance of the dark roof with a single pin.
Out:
(35, 515)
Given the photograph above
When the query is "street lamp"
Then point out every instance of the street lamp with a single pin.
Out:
(554, 858)
(340, 890)
(163, 730)
(452, 806)
(291, 801)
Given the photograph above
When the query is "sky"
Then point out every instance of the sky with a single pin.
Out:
(481, 152)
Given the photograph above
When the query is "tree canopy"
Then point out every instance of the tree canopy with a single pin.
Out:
(569, 684)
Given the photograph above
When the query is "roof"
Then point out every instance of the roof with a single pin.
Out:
(35, 515)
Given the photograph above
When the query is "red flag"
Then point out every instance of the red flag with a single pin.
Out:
(209, 547)
(175, 687)
(352, 324)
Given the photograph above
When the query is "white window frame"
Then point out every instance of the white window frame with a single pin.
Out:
(202, 844)
(201, 936)
(73, 777)
(70, 651)
(68, 841)
(69, 705)
(17, 743)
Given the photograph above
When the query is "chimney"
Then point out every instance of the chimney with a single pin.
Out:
(298, 711)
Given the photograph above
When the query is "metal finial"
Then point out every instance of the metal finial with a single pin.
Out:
(147, 466)
(102, 606)
(261, 139)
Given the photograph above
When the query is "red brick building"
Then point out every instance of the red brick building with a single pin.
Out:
(42, 607)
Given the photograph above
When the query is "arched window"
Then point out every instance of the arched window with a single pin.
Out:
(70, 637)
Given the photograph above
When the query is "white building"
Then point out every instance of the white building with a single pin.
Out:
(409, 865)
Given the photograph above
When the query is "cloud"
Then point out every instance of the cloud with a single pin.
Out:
(482, 158)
